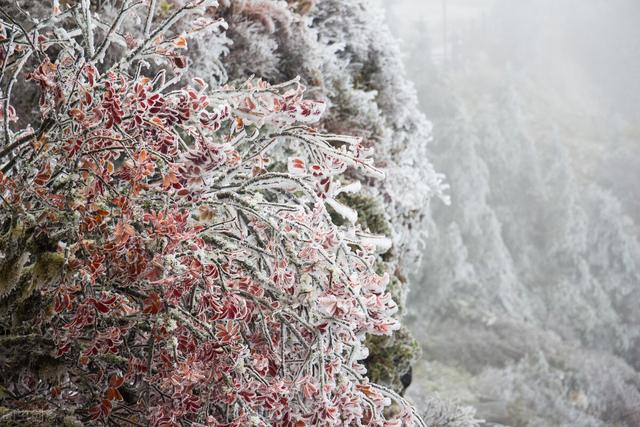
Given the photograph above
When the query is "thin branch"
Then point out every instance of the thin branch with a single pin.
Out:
(14, 78)
(45, 127)
(8, 53)
(160, 30)
(26, 35)
(87, 27)
(112, 30)
(150, 13)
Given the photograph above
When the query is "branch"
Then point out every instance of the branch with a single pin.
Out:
(150, 13)
(114, 27)
(87, 28)
(160, 30)
(14, 78)
(26, 35)
(45, 127)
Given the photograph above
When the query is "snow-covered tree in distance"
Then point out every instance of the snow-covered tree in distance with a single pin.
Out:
(533, 300)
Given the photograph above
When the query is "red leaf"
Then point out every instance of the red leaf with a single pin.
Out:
(62, 302)
(101, 410)
(123, 232)
(227, 333)
(64, 349)
(102, 308)
(56, 391)
(105, 407)
(44, 175)
(116, 381)
(152, 304)
(296, 166)
(113, 394)
(76, 114)
(179, 61)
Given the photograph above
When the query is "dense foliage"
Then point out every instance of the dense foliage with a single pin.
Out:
(167, 253)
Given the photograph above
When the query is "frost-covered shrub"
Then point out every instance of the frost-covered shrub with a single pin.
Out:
(347, 58)
(156, 269)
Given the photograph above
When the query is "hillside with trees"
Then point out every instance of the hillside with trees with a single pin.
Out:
(525, 304)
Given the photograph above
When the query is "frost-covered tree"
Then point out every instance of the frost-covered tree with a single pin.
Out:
(176, 251)
(540, 267)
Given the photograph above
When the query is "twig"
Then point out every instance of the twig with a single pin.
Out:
(160, 30)
(14, 78)
(114, 27)
(45, 127)
(26, 35)
(150, 13)
(87, 28)
(8, 53)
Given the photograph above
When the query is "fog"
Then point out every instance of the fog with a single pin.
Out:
(526, 302)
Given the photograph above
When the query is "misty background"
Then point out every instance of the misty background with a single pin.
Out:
(526, 304)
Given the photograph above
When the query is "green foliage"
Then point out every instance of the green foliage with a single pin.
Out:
(370, 213)
(391, 357)
(12, 259)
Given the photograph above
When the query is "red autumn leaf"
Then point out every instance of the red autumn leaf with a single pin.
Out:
(113, 394)
(227, 332)
(249, 103)
(101, 410)
(152, 304)
(76, 114)
(101, 307)
(116, 381)
(62, 302)
(169, 180)
(179, 61)
(296, 166)
(180, 42)
(62, 350)
(123, 232)
(109, 300)
(56, 391)
(90, 73)
(43, 176)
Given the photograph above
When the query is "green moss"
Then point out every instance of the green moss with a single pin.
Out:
(370, 213)
(27, 263)
(38, 357)
(277, 166)
(165, 8)
(26, 280)
(391, 357)
(11, 271)
(48, 268)
(113, 359)
(14, 258)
